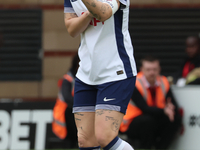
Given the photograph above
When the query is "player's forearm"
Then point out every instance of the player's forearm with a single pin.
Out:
(75, 26)
(101, 11)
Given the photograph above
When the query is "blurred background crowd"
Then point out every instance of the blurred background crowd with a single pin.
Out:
(38, 62)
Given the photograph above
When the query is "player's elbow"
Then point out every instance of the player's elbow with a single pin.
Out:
(70, 30)
(72, 33)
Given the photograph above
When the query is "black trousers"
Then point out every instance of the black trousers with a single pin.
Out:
(152, 131)
(71, 139)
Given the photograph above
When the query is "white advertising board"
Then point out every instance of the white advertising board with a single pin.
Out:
(188, 98)
(25, 125)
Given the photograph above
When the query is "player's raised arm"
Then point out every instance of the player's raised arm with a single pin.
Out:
(102, 10)
(76, 25)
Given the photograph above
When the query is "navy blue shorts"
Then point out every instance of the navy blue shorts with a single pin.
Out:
(111, 96)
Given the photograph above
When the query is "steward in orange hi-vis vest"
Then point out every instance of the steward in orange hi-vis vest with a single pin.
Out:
(133, 111)
(152, 118)
(59, 122)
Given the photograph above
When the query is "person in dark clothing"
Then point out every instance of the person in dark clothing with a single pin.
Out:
(192, 60)
(63, 124)
(152, 116)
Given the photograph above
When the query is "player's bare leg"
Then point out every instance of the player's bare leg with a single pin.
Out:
(85, 127)
(107, 123)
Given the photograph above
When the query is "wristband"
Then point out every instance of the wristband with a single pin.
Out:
(113, 4)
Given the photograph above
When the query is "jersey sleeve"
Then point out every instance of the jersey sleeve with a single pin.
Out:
(68, 7)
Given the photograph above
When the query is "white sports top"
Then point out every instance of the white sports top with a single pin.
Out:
(106, 51)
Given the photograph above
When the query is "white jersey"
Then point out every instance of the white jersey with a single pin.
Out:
(106, 51)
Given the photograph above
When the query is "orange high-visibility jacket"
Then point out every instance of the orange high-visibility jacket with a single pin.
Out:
(133, 111)
(59, 123)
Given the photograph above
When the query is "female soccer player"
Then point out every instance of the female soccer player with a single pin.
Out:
(106, 77)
